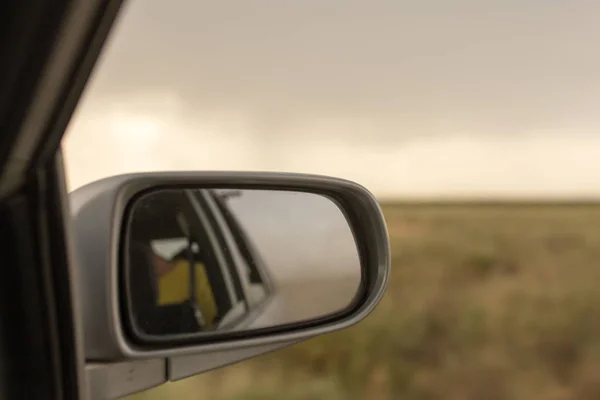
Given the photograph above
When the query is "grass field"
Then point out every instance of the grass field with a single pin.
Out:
(485, 302)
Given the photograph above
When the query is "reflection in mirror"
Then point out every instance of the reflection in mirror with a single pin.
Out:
(207, 260)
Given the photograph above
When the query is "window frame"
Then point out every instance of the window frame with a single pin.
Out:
(253, 310)
(244, 244)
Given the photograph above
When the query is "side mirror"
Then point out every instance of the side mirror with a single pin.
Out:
(180, 273)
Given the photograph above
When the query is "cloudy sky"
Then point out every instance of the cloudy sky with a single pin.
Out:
(409, 98)
(276, 221)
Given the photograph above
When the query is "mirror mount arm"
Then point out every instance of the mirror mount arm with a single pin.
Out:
(106, 380)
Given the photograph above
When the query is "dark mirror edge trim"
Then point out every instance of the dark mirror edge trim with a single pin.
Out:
(151, 342)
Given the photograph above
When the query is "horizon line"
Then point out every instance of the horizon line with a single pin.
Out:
(476, 200)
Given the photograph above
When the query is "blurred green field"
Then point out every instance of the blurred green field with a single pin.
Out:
(485, 302)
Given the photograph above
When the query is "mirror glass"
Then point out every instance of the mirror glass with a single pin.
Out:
(217, 260)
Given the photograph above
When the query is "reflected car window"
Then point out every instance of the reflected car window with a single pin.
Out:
(257, 290)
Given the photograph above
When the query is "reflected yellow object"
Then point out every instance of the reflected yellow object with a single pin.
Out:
(174, 288)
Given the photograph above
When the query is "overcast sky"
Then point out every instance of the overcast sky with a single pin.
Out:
(277, 221)
(409, 98)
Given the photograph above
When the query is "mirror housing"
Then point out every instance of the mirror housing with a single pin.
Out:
(98, 211)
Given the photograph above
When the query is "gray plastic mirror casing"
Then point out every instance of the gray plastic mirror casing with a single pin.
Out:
(98, 209)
